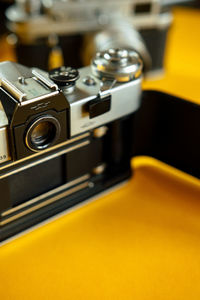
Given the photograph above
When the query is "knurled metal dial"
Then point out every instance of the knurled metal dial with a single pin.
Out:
(64, 76)
(117, 64)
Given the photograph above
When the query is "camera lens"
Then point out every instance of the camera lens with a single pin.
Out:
(42, 133)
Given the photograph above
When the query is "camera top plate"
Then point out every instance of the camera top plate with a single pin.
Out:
(24, 83)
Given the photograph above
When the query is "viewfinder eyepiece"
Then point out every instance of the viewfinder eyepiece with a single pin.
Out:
(42, 133)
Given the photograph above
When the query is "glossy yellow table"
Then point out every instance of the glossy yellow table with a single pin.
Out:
(140, 242)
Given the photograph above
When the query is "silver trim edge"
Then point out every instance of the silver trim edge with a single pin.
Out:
(45, 203)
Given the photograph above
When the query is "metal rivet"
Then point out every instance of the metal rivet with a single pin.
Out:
(89, 81)
(99, 169)
(99, 132)
(22, 80)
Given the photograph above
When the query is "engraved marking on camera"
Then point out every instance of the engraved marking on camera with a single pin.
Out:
(46, 150)
(4, 151)
(87, 124)
(85, 143)
(40, 105)
(45, 203)
(47, 194)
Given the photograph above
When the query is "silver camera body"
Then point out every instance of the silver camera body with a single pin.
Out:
(4, 145)
(97, 95)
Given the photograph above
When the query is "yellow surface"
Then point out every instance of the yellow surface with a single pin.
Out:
(6, 50)
(140, 242)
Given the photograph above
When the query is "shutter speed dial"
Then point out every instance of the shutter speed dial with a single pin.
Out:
(64, 76)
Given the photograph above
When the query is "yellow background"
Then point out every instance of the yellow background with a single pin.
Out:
(139, 242)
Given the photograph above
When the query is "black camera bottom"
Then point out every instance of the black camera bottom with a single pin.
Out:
(35, 189)
(82, 191)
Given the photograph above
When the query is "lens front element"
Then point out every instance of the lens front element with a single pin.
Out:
(42, 133)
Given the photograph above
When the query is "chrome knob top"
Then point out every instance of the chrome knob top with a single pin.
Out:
(117, 64)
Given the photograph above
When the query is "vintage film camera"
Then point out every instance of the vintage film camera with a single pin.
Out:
(49, 33)
(78, 29)
(69, 134)
(64, 136)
